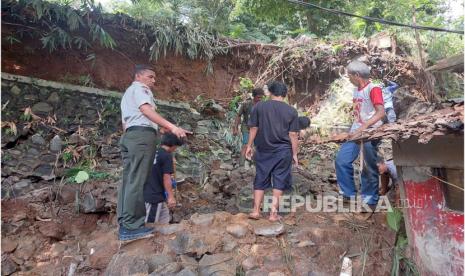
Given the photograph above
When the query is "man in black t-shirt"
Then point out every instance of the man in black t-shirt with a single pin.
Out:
(158, 190)
(274, 127)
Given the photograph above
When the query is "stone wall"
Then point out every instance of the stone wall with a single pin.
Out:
(42, 119)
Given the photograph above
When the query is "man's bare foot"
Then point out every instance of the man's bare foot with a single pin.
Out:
(254, 215)
(274, 217)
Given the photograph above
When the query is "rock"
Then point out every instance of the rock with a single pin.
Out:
(8, 245)
(167, 269)
(222, 217)
(56, 144)
(169, 228)
(195, 244)
(32, 152)
(19, 217)
(26, 248)
(44, 170)
(205, 123)
(305, 243)
(8, 266)
(180, 243)
(256, 272)
(189, 263)
(38, 139)
(273, 261)
(249, 263)
(78, 139)
(52, 230)
(202, 220)
(276, 273)
(229, 243)
(156, 260)
(222, 262)
(226, 166)
(271, 230)
(123, 264)
(67, 194)
(202, 130)
(48, 158)
(15, 90)
(22, 184)
(186, 272)
(110, 151)
(42, 108)
(31, 97)
(40, 195)
(91, 204)
(53, 98)
(237, 230)
(102, 250)
(209, 189)
(44, 92)
(57, 249)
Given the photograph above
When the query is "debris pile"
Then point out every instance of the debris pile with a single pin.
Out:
(310, 59)
(425, 127)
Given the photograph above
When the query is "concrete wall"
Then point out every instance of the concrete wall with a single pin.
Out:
(436, 233)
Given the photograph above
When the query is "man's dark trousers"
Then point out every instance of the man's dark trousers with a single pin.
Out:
(138, 150)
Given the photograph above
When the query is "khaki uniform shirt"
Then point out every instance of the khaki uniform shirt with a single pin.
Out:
(136, 95)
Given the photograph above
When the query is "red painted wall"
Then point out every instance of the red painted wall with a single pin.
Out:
(435, 232)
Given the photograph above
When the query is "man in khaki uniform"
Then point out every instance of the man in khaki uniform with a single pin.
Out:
(138, 145)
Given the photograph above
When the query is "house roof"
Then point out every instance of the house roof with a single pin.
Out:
(441, 122)
(448, 120)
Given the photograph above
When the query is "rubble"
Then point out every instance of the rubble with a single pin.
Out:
(209, 234)
(425, 127)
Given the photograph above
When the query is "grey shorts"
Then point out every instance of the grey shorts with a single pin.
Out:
(157, 213)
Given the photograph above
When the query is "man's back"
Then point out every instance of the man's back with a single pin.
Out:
(274, 119)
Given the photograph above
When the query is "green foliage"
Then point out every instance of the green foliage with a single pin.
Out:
(25, 117)
(75, 174)
(401, 265)
(6, 157)
(60, 24)
(394, 218)
(246, 84)
(234, 103)
(171, 34)
(84, 80)
(67, 156)
(12, 40)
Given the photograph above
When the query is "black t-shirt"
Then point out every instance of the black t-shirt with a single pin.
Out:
(153, 188)
(274, 119)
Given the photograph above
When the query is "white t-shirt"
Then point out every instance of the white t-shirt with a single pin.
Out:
(364, 101)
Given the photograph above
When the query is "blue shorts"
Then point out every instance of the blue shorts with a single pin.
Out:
(273, 170)
(245, 138)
